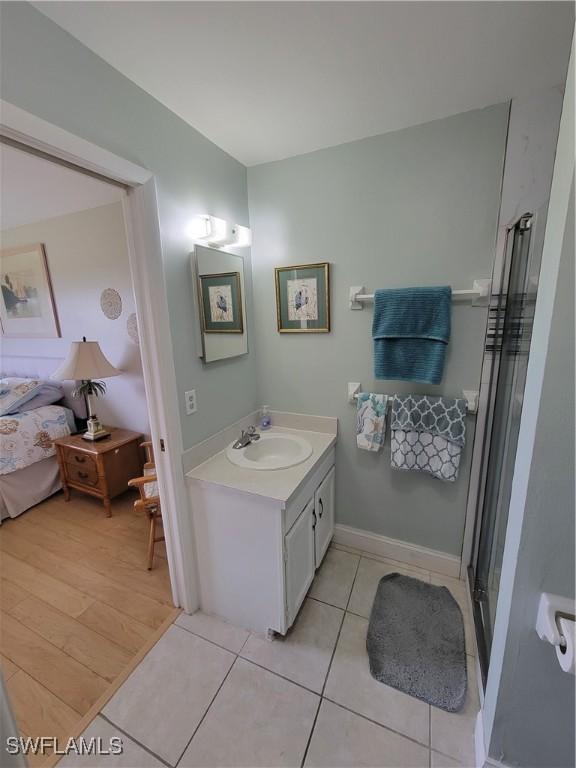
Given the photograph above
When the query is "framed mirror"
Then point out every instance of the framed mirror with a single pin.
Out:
(218, 278)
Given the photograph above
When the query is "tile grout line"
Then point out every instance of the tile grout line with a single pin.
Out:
(321, 699)
(375, 722)
(445, 754)
(277, 674)
(233, 653)
(317, 600)
(132, 738)
(340, 628)
(212, 642)
(397, 564)
(323, 695)
(208, 708)
(244, 643)
(305, 755)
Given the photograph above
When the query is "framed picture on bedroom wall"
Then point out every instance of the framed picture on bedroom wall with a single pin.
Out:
(27, 307)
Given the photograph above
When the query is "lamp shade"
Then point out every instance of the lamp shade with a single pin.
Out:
(85, 361)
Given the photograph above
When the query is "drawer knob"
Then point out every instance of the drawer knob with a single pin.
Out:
(80, 459)
(83, 475)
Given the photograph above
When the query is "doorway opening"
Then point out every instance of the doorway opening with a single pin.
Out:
(69, 570)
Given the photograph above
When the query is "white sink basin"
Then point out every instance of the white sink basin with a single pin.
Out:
(272, 451)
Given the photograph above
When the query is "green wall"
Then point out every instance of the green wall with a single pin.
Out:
(413, 207)
(49, 73)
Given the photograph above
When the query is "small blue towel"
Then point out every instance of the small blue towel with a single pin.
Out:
(411, 330)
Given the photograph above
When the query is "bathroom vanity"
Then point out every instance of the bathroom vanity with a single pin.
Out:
(262, 533)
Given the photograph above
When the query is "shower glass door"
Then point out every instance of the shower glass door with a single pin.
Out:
(509, 342)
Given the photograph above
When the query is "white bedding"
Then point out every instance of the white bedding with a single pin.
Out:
(28, 437)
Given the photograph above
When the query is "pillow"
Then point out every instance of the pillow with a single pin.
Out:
(15, 392)
(48, 395)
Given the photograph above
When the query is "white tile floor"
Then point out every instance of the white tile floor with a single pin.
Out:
(209, 694)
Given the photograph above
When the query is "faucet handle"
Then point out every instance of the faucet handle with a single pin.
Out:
(251, 430)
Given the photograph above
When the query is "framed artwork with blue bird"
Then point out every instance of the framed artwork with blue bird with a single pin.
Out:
(221, 303)
(303, 298)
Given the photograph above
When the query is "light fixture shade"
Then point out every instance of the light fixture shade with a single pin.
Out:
(218, 232)
(85, 361)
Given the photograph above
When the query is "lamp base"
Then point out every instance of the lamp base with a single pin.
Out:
(95, 435)
(95, 430)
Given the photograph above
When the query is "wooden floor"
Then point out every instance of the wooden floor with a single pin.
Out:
(77, 604)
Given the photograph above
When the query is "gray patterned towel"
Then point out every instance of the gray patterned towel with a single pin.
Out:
(428, 434)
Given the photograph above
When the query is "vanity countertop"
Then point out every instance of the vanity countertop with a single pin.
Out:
(279, 484)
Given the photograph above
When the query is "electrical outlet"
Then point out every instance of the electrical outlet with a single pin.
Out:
(190, 401)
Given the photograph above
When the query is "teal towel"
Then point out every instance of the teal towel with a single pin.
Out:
(411, 330)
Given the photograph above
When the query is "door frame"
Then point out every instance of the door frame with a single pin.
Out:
(140, 208)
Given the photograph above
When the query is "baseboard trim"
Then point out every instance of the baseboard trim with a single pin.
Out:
(404, 552)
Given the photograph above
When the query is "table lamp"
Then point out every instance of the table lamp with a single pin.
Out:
(86, 363)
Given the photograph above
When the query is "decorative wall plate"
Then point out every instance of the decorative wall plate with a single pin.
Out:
(111, 303)
(132, 328)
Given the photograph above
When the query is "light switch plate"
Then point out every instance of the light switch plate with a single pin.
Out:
(190, 401)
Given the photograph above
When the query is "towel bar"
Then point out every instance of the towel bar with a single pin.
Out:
(470, 395)
(479, 293)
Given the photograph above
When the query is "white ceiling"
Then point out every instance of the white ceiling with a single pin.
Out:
(268, 80)
(34, 189)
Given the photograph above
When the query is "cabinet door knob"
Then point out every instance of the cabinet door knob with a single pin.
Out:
(321, 507)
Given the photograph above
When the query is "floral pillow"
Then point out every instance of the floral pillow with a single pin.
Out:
(14, 392)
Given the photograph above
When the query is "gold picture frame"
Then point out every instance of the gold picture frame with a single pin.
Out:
(303, 298)
(27, 304)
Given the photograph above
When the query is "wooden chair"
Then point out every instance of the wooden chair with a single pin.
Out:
(149, 501)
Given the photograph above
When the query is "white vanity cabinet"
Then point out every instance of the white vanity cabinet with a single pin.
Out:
(300, 560)
(306, 543)
(324, 513)
(257, 555)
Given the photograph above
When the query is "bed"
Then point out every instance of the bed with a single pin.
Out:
(28, 464)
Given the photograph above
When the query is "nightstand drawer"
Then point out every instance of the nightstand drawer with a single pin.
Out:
(78, 459)
(86, 475)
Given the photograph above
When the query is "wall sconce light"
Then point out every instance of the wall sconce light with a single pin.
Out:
(242, 235)
(218, 232)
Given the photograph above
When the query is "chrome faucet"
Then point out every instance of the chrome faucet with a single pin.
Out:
(248, 436)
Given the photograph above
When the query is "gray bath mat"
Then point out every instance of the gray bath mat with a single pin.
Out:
(415, 641)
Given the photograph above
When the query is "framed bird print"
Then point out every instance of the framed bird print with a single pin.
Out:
(221, 303)
(303, 298)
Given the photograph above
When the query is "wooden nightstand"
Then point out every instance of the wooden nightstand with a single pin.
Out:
(101, 468)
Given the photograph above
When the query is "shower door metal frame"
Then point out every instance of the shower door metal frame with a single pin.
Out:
(488, 393)
(492, 352)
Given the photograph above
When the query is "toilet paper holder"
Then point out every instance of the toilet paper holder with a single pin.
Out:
(551, 609)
